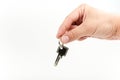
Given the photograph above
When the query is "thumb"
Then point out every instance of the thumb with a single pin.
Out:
(74, 34)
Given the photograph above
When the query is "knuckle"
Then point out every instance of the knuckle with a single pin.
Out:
(69, 18)
(84, 5)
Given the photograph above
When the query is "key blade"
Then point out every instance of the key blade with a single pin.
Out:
(57, 60)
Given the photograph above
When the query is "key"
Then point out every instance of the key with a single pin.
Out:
(62, 50)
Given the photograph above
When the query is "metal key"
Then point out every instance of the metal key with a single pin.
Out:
(62, 50)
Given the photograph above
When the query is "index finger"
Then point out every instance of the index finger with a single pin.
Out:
(69, 20)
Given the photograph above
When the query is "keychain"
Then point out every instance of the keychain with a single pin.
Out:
(62, 51)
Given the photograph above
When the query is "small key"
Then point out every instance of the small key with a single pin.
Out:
(62, 50)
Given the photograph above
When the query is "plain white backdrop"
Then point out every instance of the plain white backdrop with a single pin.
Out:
(28, 43)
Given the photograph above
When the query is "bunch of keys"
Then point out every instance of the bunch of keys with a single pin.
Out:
(62, 51)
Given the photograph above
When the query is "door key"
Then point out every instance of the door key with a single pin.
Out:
(62, 51)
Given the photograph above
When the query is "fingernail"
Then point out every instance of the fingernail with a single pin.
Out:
(65, 39)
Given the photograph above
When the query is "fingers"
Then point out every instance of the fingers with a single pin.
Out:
(74, 34)
(69, 20)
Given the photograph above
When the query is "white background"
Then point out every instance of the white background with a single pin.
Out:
(28, 43)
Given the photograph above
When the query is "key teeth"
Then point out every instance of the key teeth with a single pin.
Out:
(57, 60)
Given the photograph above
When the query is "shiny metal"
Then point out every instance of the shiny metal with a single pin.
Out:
(57, 60)
(60, 44)
(62, 50)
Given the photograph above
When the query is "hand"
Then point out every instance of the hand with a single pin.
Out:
(86, 21)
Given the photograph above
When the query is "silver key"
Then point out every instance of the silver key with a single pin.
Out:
(62, 50)
(57, 60)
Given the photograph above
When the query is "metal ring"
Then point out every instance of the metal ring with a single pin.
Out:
(60, 44)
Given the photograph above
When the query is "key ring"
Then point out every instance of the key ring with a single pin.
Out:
(60, 44)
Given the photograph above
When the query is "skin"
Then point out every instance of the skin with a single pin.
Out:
(86, 21)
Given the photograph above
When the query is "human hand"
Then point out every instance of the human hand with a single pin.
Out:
(86, 21)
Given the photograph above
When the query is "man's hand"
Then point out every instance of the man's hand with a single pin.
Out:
(86, 21)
